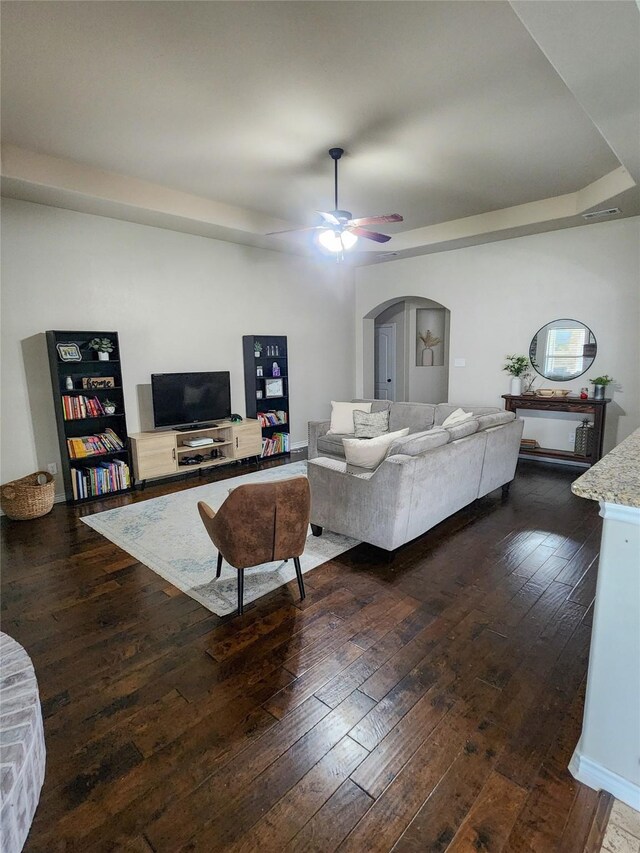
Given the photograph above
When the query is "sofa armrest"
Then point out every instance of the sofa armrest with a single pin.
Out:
(316, 429)
(370, 506)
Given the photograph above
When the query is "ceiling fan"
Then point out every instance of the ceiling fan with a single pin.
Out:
(339, 231)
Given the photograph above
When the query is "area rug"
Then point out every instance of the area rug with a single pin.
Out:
(167, 535)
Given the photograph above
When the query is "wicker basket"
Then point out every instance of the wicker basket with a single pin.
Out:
(27, 498)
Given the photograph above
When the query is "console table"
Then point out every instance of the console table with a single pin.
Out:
(573, 405)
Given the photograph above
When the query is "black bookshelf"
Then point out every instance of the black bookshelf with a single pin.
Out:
(260, 386)
(80, 414)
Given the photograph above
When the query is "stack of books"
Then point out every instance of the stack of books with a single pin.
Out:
(104, 478)
(76, 408)
(528, 444)
(94, 445)
(278, 443)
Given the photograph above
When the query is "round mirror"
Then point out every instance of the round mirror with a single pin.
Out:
(563, 350)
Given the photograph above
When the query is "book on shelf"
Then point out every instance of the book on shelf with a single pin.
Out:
(101, 479)
(94, 445)
(272, 418)
(78, 407)
(277, 443)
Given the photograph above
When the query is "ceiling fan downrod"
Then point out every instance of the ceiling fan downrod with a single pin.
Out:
(335, 154)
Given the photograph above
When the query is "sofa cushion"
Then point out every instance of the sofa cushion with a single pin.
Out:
(342, 416)
(495, 419)
(443, 410)
(419, 442)
(457, 417)
(462, 430)
(417, 416)
(370, 425)
(332, 444)
(369, 452)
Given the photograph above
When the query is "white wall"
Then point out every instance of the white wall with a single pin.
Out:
(500, 294)
(179, 303)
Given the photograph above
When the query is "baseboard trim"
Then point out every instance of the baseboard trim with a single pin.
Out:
(596, 776)
(298, 445)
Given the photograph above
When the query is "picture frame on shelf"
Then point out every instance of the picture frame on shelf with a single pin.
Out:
(273, 388)
(98, 382)
(258, 395)
(69, 352)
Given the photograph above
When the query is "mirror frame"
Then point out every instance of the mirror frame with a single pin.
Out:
(577, 375)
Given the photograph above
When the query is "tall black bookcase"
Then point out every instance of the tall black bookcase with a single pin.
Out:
(93, 466)
(266, 388)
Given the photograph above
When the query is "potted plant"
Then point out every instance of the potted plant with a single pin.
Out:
(429, 341)
(103, 346)
(600, 384)
(517, 366)
(257, 348)
(109, 407)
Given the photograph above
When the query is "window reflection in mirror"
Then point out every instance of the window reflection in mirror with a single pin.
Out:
(563, 350)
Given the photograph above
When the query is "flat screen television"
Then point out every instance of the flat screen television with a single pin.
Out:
(183, 400)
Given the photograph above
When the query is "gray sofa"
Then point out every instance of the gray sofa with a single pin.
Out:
(426, 477)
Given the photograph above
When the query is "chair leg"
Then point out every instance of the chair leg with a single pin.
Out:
(240, 591)
(219, 567)
(296, 563)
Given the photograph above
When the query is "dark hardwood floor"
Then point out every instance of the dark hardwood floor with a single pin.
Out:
(429, 702)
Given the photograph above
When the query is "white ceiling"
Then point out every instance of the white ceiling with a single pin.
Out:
(475, 120)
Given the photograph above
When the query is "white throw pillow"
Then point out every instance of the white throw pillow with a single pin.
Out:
(457, 417)
(369, 452)
(342, 416)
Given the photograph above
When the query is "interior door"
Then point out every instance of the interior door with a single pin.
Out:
(385, 362)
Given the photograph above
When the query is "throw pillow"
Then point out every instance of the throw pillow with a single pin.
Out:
(369, 452)
(370, 425)
(457, 417)
(342, 416)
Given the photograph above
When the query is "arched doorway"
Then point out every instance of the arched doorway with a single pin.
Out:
(409, 338)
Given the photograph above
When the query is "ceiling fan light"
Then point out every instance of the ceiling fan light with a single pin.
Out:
(334, 241)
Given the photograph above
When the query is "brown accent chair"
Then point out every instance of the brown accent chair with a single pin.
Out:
(259, 523)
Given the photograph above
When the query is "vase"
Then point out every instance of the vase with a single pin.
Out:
(516, 386)
(427, 357)
(103, 356)
(598, 392)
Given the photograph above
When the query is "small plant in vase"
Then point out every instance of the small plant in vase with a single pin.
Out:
(257, 348)
(103, 346)
(109, 407)
(429, 341)
(600, 386)
(517, 366)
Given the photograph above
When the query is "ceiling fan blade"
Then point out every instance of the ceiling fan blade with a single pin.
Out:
(329, 217)
(370, 235)
(377, 220)
(291, 230)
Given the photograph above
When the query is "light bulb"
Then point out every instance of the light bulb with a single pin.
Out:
(335, 241)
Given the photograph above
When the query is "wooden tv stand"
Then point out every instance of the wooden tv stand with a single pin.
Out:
(163, 454)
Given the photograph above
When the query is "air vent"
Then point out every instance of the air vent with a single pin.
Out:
(599, 214)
